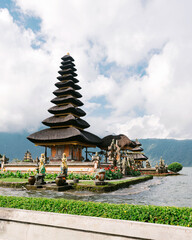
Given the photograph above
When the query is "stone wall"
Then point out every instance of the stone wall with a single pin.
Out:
(76, 167)
(29, 225)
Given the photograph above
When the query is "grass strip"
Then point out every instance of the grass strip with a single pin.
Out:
(13, 180)
(112, 185)
(179, 216)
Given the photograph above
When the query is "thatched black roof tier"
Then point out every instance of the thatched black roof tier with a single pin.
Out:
(63, 135)
(67, 63)
(68, 66)
(137, 142)
(67, 109)
(68, 77)
(66, 126)
(67, 71)
(137, 149)
(67, 91)
(62, 121)
(123, 141)
(139, 156)
(67, 58)
(66, 84)
(66, 100)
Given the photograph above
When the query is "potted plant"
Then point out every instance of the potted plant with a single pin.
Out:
(31, 179)
(60, 180)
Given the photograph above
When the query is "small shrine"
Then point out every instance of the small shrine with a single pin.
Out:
(137, 154)
(27, 157)
(66, 132)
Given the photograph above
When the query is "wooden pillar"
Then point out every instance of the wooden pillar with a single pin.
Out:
(72, 152)
(86, 153)
(46, 154)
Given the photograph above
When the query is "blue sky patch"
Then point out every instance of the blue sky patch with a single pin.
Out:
(102, 110)
(24, 20)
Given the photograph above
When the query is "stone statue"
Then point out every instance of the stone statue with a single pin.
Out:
(3, 160)
(161, 168)
(64, 167)
(118, 157)
(96, 159)
(148, 165)
(37, 164)
(114, 154)
(124, 166)
(42, 169)
(156, 167)
(128, 161)
(162, 162)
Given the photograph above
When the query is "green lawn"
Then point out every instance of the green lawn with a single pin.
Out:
(13, 180)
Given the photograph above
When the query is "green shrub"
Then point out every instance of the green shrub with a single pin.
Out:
(175, 167)
(152, 214)
(112, 173)
(133, 171)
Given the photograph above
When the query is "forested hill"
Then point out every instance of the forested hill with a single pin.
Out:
(171, 150)
(15, 146)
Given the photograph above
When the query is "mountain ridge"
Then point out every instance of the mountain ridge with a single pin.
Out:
(14, 145)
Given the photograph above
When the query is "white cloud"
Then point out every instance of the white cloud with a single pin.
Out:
(122, 36)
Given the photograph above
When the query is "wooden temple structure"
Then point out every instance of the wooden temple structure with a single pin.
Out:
(133, 148)
(66, 132)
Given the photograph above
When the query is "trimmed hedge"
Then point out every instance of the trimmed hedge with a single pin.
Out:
(175, 167)
(151, 214)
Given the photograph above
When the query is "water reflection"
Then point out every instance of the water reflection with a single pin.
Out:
(169, 191)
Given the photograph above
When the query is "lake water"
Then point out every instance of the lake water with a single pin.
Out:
(161, 191)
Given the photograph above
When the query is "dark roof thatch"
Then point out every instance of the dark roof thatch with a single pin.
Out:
(67, 58)
(123, 141)
(68, 83)
(65, 121)
(65, 100)
(67, 77)
(67, 71)
(67, 91)
(67, 109)
(137, 142)
(68, 66)
(67, 63)
(63, 135)
(138, 156)
(137, 149)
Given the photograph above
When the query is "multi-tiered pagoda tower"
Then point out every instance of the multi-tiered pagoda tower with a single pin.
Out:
(66, 128)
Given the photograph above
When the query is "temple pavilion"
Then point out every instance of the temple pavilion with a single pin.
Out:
(133, 148)
(66, 128)
(137, 154)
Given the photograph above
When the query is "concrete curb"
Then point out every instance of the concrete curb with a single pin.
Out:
(27, 225)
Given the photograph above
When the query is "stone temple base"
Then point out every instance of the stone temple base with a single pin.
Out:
(34, 187)
(53, 187)
(73, 166)
(99, 183)
(58, 188)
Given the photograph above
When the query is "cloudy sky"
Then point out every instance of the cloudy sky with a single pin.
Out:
(133, 59)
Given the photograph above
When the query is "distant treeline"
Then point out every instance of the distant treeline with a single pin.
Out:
(15, 145)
